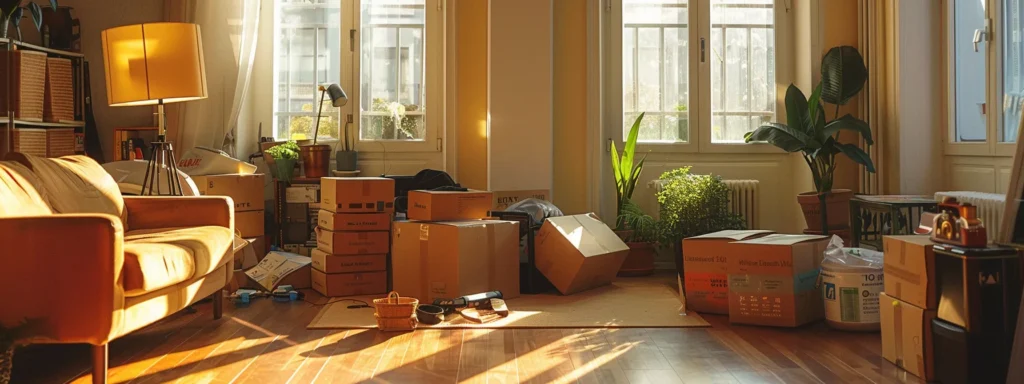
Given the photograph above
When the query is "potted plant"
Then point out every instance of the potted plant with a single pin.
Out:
(692, 205)
(285, 155)
(806, 131)
(627, 215)
(10, 338)
(11, 11)
(642, 238)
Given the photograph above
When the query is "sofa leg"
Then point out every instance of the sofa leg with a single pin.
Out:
(99, 363)
(218, 304)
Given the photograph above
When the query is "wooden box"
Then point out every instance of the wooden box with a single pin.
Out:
(27, 70)
(59, 97)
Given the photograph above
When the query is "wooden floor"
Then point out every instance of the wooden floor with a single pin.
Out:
(267, 342)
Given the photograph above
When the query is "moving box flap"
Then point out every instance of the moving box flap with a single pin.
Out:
(588, 234)
(733, 234)
(470, 223)
(786, 240)
(429, 192)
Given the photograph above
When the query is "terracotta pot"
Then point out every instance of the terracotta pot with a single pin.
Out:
(837, 203)
(316, 160)
(639, 261)
(624, 235)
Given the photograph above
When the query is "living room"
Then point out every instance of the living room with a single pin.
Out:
(404, 191)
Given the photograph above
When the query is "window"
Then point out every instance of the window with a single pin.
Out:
(675, 53)
(307, 53)
(985, 75)
(386, 54)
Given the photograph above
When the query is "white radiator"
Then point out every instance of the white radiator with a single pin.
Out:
(990, 208)
(743, 199)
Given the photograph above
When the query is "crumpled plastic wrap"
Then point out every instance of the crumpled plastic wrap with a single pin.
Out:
(537, 208)
(837, 255)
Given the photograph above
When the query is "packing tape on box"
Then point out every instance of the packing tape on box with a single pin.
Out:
(424, 268)
(492, 271)
(897, 326)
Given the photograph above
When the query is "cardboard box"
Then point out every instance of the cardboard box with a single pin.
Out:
(307, 193)
(354, 221)
(772, 280)
(245, 190)
(249, 223)
(452, 259)
(706, 272)
(297, 213)
(245, 253)
(907, 336)
(240, 280)
(578, 252)
(909, 269)
(352, 243)
(503, 199)
(328, 263)
(299, 249)
(449, 205)
(350, 284)
(259, 245)
(357, 194)
(282, 269)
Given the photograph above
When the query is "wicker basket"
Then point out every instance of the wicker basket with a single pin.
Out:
(60, 142)
(59, 96)
(395, 313)
(30, 141)
(27, 91)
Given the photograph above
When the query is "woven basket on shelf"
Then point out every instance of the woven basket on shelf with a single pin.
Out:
(60, 96)
(28, 88)
(30, 141)
(395, 313)
(60, 142)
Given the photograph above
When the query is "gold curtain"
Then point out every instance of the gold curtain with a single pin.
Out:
(877, 106)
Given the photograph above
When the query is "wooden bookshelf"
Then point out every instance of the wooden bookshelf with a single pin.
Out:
(147, 134)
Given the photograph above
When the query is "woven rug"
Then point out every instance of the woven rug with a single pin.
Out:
(649, 302)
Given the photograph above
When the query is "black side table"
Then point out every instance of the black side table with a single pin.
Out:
(875, 216)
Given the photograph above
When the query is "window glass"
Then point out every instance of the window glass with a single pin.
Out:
(742, 58)
(1013, 71)
(969, 72)
(655, 69)
(392, 70)
(307, 53)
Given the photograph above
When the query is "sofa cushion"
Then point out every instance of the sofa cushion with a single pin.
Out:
(20, 192)
(76, 184)
(159, 258)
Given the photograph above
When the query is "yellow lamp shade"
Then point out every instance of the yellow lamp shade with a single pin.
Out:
(154, 62)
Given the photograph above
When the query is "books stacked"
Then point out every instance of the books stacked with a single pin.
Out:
(353, 236)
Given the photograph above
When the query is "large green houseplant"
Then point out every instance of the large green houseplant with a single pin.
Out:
(806, 131)
(631, 223)
(692, 205)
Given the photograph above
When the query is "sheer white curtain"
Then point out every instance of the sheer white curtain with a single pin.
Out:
(229, 29)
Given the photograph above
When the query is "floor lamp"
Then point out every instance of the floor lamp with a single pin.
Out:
(155, 64)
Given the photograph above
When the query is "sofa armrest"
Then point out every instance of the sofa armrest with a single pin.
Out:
(62, 273)
(154, 212)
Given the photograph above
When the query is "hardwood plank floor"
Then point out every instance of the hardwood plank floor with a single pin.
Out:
(267, 342)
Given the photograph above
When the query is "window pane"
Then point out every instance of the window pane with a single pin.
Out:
(969, 72)
(655, 74)
(307, 54)
(392, 70)
(742, 58)
(1013, 71)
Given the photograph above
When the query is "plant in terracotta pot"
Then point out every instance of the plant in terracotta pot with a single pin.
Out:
(806, 131)
(285, 155)
(642, 237)
(692, 205)
(627, 173)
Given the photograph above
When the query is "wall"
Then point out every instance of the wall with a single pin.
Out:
(97, 15)
(571, 186)
(470, 74)
(839, 30)
(920, 108)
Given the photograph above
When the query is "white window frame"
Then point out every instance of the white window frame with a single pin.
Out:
(700, 90)
(992, 146)
(434, 81)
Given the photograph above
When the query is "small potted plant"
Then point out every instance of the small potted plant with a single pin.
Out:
(642, 238)
(11, 12)
(806, 131)
(285, 156)
(692, 205)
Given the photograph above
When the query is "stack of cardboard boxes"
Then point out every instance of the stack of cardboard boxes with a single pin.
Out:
(755, 277)
(353, 236)
(246, 190)
(909, 303)
(302, 204)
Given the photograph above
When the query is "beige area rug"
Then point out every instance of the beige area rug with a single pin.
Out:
(628, 303)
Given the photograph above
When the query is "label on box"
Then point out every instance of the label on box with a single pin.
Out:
(503, 199)
(353, 221)
(353, 243)
(707, 292)
(324, 262)
(357, 194)
(302, 194)
(851, 297)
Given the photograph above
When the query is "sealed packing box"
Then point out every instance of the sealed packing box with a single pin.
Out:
(357, 194)
(907, 336)
(451, 259)
(909, 269)
(249, 223)
(245, 190)
(328, 263)
(503, 199)
(350, 284)
(578, 252)
(309, 193)
(706, 272)
(354, 221)
(352, 243)
(772, 280)
(449, 205)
